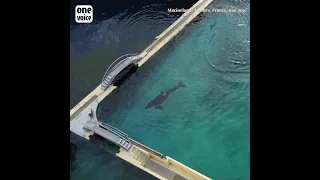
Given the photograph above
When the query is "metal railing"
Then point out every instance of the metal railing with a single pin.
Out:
(136, 143)
(114, 130)
(116, 63)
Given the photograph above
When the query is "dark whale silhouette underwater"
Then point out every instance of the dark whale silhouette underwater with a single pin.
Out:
(157, 101)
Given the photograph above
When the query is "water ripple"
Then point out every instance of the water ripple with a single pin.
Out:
(231, 47)
(150, 16)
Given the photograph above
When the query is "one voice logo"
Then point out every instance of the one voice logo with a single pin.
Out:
(84, 14)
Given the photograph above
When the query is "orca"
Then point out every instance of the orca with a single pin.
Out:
(157, 101)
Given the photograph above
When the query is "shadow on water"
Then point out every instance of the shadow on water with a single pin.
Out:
(125, 74)
(104, 145)
(96, 146)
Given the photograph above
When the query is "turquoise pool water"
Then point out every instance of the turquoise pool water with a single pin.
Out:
(206, 125)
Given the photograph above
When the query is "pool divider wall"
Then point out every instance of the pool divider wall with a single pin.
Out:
(160, 167)
(190, 14)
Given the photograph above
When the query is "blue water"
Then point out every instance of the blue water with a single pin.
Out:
(206, 125)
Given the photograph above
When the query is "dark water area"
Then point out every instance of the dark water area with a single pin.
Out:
(119, 27)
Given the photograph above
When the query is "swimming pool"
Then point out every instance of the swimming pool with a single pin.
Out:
(206, 125)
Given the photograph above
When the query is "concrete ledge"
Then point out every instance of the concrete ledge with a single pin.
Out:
(78, 122)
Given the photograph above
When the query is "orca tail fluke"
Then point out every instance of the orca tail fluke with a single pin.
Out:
(181, 84)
